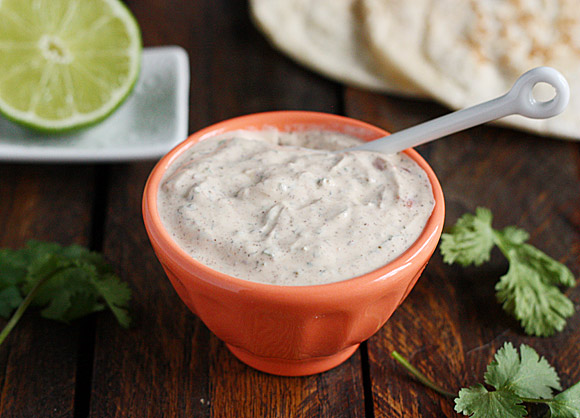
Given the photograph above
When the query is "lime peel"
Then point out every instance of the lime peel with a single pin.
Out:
(69, 65)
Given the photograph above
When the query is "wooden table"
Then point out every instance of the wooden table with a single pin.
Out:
(169, 364)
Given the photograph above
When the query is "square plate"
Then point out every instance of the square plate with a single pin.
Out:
(152, 121)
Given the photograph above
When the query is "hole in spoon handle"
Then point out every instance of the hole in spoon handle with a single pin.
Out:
(521, 94)
(519, 100)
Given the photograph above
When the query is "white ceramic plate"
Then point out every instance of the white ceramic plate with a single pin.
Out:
(152, 121)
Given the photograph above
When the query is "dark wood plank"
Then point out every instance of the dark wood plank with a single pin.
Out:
(39, 358)
(169, 364)
(236, 72)
(450, 325)
(238, 390)
(159, 367)
(233, 69)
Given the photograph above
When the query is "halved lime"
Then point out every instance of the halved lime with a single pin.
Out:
(65, 64)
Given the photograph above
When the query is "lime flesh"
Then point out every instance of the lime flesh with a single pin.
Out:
(65, 64)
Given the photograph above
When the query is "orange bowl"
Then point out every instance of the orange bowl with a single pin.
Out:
(290, 330)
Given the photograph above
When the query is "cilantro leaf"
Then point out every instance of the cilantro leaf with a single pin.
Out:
(10, 298)
(35, 250)
(528, 375)
(528, 291)
(478, 402)
(470, 240)
(514, 234)
(567, 403)
(541, 309)
(61, 295)
(68, 305)
(516, 250)
(116, 295)
(12, 267)
(65, 282)
(517, 379)
(79, 276)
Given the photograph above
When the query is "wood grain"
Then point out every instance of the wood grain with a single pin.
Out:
(238, 390)
(450, 325)
(39, 358)
(159, 366)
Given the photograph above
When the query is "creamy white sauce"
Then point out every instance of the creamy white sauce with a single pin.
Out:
(247, 206)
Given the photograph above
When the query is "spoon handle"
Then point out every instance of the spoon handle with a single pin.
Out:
(519, 100)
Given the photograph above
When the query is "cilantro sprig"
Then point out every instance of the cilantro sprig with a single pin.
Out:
(65, 282)
(513, 380)
(529, 290)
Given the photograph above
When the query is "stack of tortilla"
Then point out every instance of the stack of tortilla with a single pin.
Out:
(459, 52)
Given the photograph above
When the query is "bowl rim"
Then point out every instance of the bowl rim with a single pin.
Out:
(289, 118)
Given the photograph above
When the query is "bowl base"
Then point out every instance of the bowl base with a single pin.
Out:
(283, 367)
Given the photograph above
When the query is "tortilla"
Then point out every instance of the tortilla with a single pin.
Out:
(464, 52)
(325, 36)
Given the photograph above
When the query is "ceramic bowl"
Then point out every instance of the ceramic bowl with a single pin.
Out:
(290, 330)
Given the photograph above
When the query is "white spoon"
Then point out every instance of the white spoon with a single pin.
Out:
(518, 101)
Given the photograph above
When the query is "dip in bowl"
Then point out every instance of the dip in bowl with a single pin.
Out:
(281, 329)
